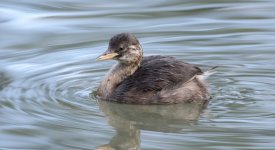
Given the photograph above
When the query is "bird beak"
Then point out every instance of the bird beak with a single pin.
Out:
(107, 55)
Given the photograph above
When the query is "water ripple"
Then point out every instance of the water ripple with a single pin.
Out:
(48, 71)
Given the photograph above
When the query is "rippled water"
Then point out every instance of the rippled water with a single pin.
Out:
(48, 69)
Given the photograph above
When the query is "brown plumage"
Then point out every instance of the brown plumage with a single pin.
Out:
(149, 80)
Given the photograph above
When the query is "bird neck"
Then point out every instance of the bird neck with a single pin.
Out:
(115, 76)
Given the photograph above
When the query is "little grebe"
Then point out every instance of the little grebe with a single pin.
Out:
(149, 80)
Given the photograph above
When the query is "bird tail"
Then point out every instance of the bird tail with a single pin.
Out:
(202, 76)
(207, 73)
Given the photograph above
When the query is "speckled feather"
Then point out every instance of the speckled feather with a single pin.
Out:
(154, 74)
(149, 80)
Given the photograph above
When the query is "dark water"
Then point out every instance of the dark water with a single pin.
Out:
(48, 68)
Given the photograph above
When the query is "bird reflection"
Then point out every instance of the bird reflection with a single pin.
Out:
(129, 120)
(5, 80)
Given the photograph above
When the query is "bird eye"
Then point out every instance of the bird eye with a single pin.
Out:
(121, 48)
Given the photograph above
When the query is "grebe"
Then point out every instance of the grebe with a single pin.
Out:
(149, 80)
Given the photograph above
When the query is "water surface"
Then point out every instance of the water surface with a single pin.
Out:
(48, 69)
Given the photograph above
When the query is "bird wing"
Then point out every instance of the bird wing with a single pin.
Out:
(156, 73)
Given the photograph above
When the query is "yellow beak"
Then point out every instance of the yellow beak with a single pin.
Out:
(107, 56)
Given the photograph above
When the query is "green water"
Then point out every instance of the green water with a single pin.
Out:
(48, 69)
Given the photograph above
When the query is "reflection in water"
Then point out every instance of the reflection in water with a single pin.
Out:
(5, 80)
(128, 120)
(47, 70)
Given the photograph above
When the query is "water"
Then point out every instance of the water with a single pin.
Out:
(48, 69)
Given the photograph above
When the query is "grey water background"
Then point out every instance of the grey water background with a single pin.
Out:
(48, 70)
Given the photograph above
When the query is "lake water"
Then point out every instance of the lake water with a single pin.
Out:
(48, 70)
